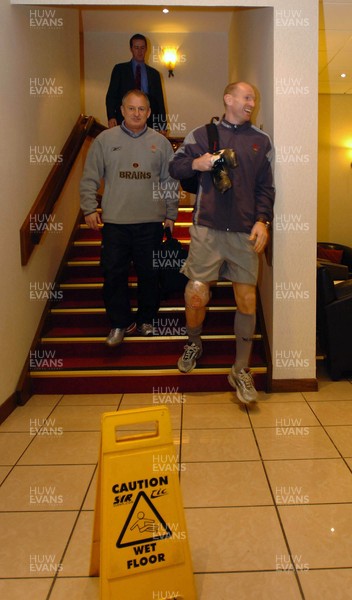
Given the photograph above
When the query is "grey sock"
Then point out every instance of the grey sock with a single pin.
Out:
(244, 327)
(194, 334)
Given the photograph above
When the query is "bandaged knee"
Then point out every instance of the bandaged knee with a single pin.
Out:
(196, 294)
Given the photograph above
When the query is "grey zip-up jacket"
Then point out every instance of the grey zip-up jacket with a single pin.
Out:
(137, 184)
(252, 194)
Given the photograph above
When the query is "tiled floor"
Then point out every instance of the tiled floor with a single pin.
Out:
(267, 494)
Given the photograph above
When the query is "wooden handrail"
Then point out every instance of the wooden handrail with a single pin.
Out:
(34, 224)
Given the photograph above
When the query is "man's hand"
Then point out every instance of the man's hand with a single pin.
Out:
(169, 223)
(260, 236)
(112, 123)
(93, 221)
(203, 163)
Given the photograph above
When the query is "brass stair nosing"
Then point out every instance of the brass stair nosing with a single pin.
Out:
(138, 372)
(162, 309)
(130, 339)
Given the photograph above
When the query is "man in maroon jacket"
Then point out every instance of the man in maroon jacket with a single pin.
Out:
(232, 215)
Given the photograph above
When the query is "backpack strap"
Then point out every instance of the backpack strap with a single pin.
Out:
(213, 137)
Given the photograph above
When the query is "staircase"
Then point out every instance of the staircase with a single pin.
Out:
(71, 356)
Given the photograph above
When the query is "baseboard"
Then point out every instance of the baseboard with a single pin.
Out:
(8, 407)
(293, 385)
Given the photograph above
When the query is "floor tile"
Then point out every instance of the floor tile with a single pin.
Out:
(225, 484)
(208, 398)
(319, 536)
(280, 397)
(310, 481)
(294, 442)
(77, 448)
(214, 416)
(32, 544)
(30, 589)
(249, 586)
(333, 412)
(333, 584)
(91, 400)
(89, 503)
(341, 435)
(77, 558)
(26, 418)
(54, 487)
(218, 444)
(3, 472)
(282, 414)
(80, 588)
(12, 445)
(234, 539)
(330, 390)
(80, 418)
(44, 400)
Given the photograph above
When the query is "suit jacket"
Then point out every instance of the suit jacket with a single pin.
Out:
(122, 80)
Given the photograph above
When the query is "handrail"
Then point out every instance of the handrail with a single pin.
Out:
(32, 228)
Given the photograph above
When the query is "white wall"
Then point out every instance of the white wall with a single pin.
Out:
(192, 96)
(335, 169)
(31, 121)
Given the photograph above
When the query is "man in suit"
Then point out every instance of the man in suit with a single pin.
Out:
(136, 74)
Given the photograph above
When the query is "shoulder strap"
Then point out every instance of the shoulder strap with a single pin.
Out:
(213, 137)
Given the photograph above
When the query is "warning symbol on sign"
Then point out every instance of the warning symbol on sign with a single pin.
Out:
(144, 524)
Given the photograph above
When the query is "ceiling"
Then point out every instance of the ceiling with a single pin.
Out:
(335, 32)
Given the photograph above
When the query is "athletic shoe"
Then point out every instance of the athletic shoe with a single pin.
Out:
(146, 329)
(116, 335)
(243, 383)
(188, 360)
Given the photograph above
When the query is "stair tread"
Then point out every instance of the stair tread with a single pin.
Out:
(76, 327)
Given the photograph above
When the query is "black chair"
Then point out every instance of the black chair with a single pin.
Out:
(334, 322)
(346, 259)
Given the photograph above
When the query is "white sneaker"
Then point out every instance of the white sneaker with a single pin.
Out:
(188, 360)
(243, 383)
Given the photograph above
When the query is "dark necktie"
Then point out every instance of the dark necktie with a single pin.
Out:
(138, 77)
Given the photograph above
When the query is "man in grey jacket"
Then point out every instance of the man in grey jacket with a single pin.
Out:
(140, 199)
(231, 219)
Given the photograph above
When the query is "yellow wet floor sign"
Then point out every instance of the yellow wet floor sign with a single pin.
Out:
(140, 545)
